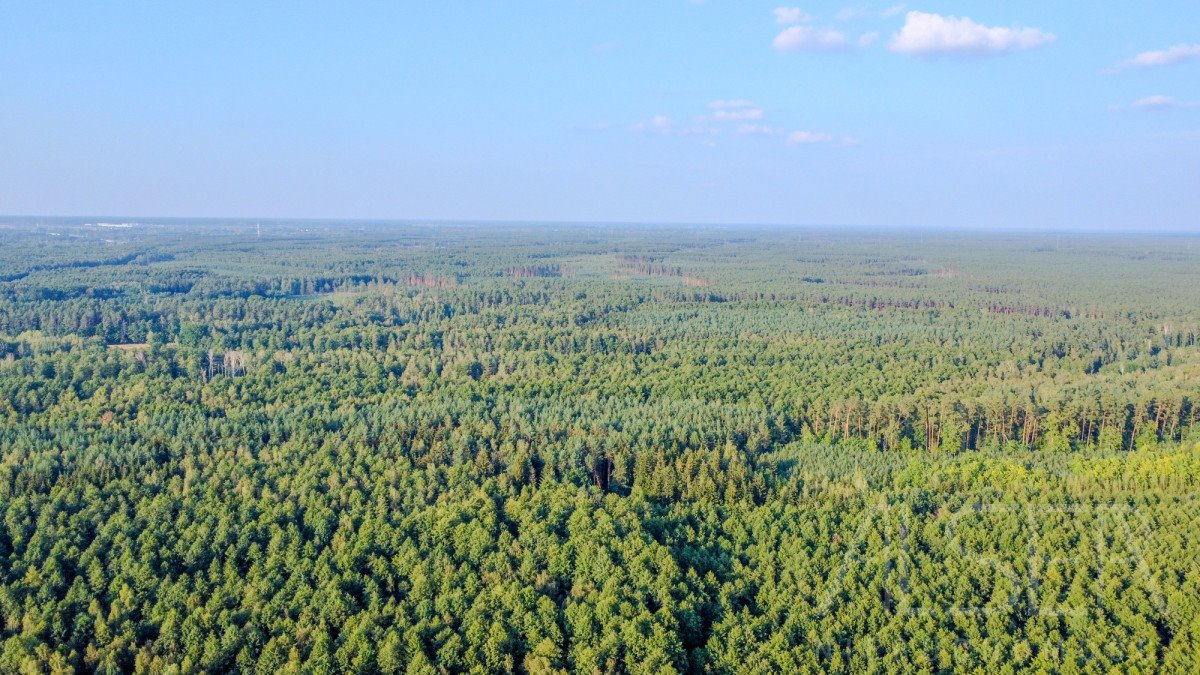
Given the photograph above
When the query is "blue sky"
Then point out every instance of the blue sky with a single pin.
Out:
(979, 114)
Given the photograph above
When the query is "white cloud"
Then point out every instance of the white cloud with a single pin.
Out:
(734, 110)
(1160, 102)
(787, 16)
(739, 114)
(1157, 101)
(1163, 57)
(757, 130)
(932, 35)
(867, 39)
(659, 123)
(807, 138)
(809, 39)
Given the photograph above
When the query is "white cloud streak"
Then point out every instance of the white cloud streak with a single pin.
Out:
(1160, 102)
(809, 39)
(934, 35)
(1162, 57)
(738, 115)
(658, 123)
(757, 130)
(735, 110)
(808, 138)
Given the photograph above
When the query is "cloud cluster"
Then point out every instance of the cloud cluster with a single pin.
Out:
(801, 36)
(923, 34)
(743, 111)
(736, 117)
(1153, 59)
(932, 35)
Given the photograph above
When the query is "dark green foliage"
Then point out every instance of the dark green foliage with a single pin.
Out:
(465, 449)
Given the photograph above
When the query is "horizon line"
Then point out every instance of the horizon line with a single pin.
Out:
(6, 220)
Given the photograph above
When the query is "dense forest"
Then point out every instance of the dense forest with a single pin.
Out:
(437, 448)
